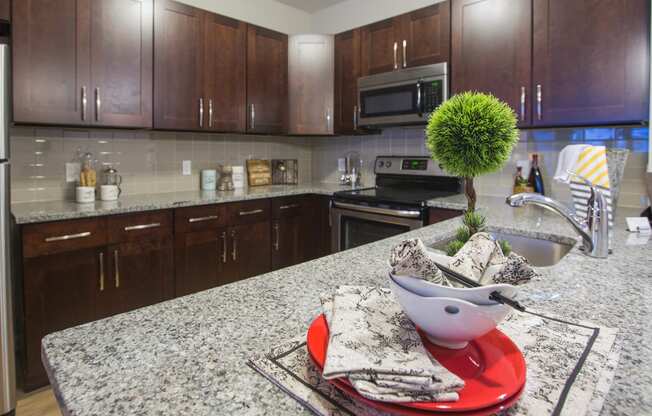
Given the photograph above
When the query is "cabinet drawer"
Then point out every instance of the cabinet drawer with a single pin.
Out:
(58, 237)
(206, 217)
(291, 206)
(248, 212)
(124, 228)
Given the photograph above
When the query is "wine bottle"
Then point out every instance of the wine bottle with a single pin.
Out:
(535, 180)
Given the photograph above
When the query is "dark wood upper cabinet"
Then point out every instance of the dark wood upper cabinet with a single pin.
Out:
(348, 68)
(51, 57)
(380, 47)
(491, 51)
(426, 35)
(5, 10)
(267, 81)
(178, 66)
(591, 62)
(225, 43)
(82, 62)
(121, 62)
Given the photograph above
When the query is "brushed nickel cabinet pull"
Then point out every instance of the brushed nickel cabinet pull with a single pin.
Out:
(234, 252)
(404, 53)
(68, 237)
(202, 219)
(277, 240)
(252, 212)
(101, 272)
(84, 100)
(395, 55)
(142, 227)
(210, 113)
(523, 103)
(98, 104)
(289, 206)
(355, 117)
(201, 113)
(116, 263)
(328, 119)
(224, 247)
(252, 117)
(539, 102)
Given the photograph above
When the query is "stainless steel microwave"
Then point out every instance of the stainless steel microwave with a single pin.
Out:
(404, 97)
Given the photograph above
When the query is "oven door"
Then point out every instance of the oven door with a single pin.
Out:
(354, 225)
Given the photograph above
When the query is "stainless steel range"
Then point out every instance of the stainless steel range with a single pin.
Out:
(398, 202)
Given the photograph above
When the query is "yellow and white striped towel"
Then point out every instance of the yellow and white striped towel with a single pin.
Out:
(592, 165)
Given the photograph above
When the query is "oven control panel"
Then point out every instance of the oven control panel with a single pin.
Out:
(408, 165)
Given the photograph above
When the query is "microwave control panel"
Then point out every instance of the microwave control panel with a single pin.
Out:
(432, 95)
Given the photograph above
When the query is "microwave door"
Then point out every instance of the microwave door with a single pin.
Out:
(389, 104)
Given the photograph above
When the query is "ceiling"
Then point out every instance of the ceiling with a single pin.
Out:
(310, 6)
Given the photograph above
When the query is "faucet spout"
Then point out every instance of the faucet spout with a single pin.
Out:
(594, 231)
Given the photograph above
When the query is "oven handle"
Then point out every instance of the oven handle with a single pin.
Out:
(375, 210)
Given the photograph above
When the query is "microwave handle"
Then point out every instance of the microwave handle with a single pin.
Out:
(419, 99)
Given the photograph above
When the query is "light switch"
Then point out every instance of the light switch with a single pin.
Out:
(73, 170)
(186, 168)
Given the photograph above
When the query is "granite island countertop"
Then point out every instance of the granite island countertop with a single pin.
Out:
(37, 212)
(188, 355)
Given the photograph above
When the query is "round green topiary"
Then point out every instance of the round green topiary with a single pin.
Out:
(472, 134)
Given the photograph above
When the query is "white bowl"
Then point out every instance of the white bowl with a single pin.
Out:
(477, 295)
(449, 322)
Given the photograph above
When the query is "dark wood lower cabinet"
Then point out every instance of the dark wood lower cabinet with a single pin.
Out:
(288, 245)
(199, 261)
(60, 291)
(249, 251)
(441, 214)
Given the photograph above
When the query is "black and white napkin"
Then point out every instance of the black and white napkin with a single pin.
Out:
(375, 345)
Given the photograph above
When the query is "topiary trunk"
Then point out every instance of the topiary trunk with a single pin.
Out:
(469, 190)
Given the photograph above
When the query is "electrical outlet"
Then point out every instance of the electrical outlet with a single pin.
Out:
(73, 170)
(186, 168)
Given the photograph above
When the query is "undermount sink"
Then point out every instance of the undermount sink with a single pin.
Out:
(538, 251)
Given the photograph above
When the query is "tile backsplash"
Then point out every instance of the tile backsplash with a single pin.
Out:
(546, 142)
(150, 161)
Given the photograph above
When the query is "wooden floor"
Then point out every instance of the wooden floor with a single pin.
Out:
(38, 403)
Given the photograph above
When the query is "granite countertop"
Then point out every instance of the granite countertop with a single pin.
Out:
(35, 212)
(188, 355)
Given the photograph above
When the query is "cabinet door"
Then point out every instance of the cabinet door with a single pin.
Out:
(348, 68)
(121, 62)
(249, 251)
(199, 260)
(491, 50)
(425, 36)
(380, 47)
(51, 61)
(178, 67)
(60, 291)
(267, 80)
(225, 57)
(141, 274)
(287, 242)
(311, 74)
(591, 61)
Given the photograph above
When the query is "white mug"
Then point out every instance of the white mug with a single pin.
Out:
(109, 192)
(85, 194)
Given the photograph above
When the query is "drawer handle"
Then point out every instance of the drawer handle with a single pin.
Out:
(142, 227)
(202, 219)
(68, 237)
(290, 206)
(252, 212)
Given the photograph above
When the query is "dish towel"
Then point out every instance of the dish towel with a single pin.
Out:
(375, 345)
(591, 164)
(567, 161)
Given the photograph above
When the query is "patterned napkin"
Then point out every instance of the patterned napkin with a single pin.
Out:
(410, 258)
(375, 345)
(571, 386)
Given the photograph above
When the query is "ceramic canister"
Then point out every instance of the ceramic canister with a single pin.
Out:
(109, 192)
(85, 194)
(208, 179)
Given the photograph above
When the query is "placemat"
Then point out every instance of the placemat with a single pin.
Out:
(570, 367)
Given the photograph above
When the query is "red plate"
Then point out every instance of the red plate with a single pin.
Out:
(492, 367)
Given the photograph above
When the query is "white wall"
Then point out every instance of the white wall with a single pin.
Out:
(355, 13)
(266, 13)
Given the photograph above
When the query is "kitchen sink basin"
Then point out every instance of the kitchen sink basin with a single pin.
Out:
(540, 252)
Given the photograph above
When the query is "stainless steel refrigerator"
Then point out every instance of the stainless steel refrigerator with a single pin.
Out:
(7, 359)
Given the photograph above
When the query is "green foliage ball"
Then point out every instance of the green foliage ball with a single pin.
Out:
(472, 134)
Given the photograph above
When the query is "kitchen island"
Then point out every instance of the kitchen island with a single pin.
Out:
(188, 355)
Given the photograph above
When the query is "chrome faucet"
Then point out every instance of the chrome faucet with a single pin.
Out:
(594, 229)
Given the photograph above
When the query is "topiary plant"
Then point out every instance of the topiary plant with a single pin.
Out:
(472, 134)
